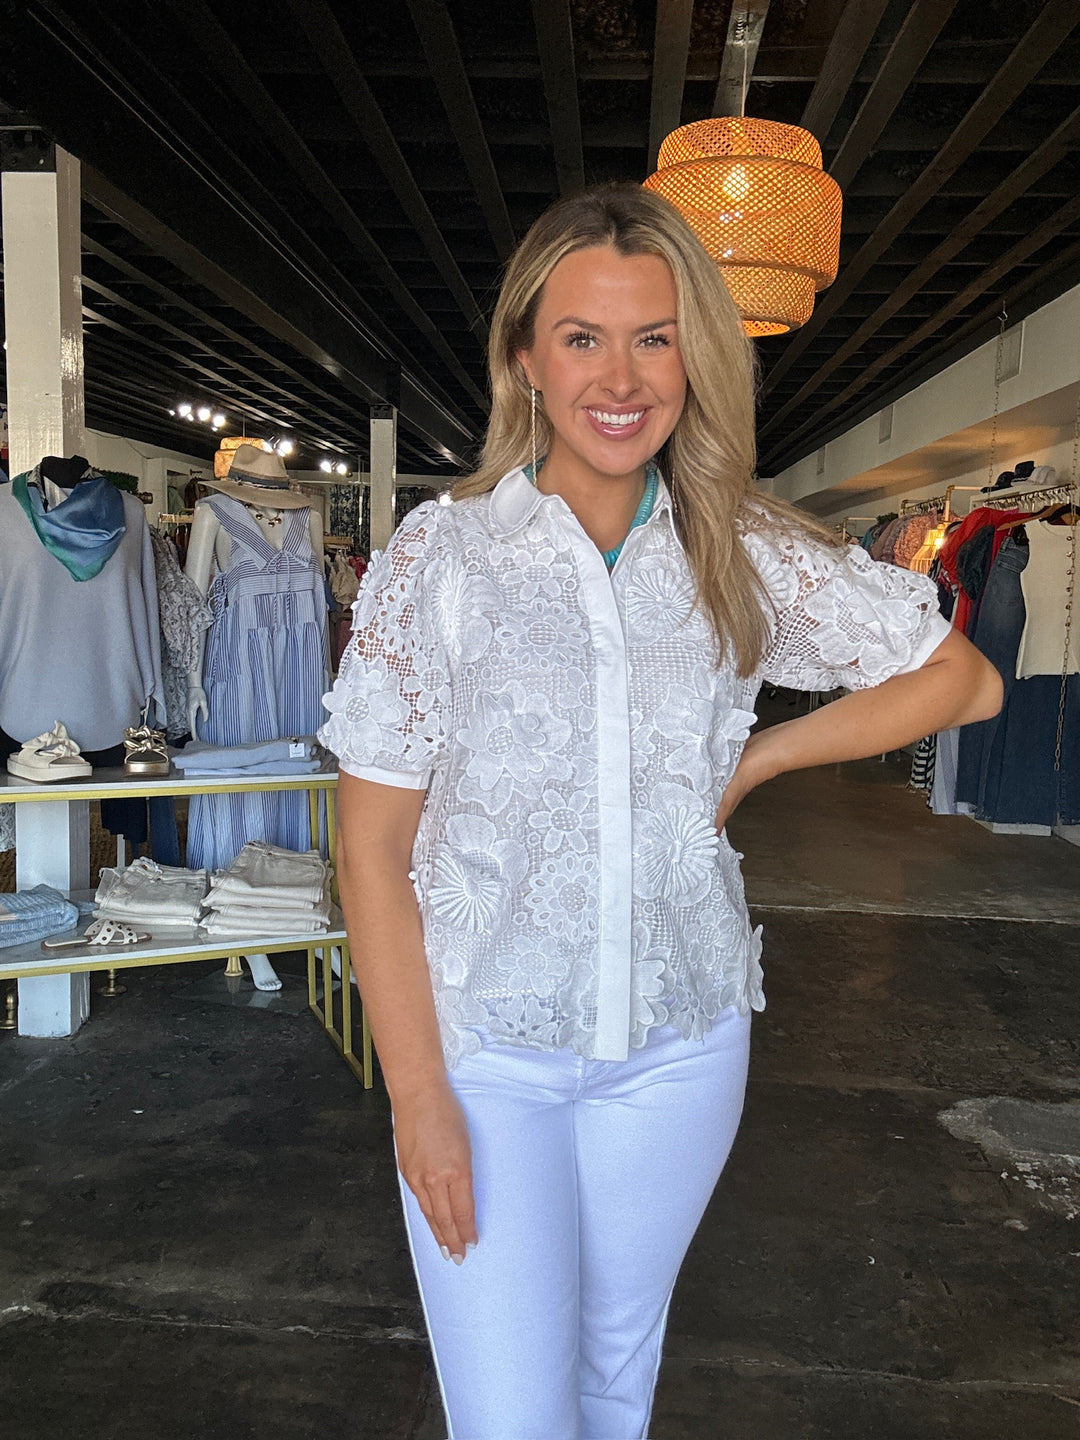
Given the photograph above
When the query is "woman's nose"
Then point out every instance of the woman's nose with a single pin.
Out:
(620, 378)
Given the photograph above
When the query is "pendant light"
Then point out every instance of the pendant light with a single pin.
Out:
(754, 193)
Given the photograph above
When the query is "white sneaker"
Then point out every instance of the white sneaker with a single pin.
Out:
(52, 756)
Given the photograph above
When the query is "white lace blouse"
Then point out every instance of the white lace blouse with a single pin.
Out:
(575, 735)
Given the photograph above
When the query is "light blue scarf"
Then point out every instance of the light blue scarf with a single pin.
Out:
(82, 531)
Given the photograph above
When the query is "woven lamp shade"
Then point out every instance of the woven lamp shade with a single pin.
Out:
(754, 193)
(228, 446)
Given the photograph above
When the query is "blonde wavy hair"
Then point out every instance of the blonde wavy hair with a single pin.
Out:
(708, 461)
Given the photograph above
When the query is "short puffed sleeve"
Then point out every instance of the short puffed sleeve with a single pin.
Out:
(841, 619)
(388, 703)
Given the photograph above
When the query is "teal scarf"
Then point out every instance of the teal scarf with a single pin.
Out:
(82, 531)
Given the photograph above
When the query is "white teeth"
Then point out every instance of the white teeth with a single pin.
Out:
(607, 418)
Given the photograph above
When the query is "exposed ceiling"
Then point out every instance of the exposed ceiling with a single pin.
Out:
(298, 208)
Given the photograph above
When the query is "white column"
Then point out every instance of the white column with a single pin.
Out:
(383, 474)
(43, 313)
(43, 317)
(52, 847)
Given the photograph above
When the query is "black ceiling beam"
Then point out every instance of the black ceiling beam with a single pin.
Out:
(919, 29)
(949, 63)
(105, 399)
(109, 368)
(233, 70)
(1040, 235)
(671, 50)
(746, 25)
(208, 194)
(327, 39)
(1051, 27)
(1048, 154)
(292, 407)
(293, 318)
(555, 38)
(228, 393)
(1018, 297)
(177, 301)
(435, 29)
(856, 28)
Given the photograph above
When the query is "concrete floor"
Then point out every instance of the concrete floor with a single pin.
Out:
(199, 1236)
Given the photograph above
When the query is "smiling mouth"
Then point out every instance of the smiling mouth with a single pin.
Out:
(614, 417)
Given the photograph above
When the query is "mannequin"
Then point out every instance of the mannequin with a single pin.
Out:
(210, 545)
(78, 609)
(237, 537)
(62, 475)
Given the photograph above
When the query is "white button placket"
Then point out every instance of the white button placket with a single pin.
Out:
(613, 776)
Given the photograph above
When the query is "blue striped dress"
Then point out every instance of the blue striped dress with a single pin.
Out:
(264, 672)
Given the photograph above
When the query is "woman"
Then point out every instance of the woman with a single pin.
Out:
(542, 722)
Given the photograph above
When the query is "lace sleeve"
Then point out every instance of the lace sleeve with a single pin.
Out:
(842, 619)
(387, 705)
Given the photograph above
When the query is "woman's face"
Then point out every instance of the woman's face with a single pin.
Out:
(606, 358)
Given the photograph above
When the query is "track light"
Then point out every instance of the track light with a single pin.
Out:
(284, 447)
(218, 421)
(326, 465)
(341, 468)
(184, 410)
(204, 413)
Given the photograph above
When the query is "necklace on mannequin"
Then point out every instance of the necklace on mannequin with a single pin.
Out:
(272, 517)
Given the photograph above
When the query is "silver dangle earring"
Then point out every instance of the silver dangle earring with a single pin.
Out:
(532, 389)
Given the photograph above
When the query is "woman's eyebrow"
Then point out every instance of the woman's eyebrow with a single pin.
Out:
(591, 325)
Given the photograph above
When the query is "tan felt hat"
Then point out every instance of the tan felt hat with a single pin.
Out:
(259, 477)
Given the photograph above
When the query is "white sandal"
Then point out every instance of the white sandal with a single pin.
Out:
(52, 756)
(101, 932)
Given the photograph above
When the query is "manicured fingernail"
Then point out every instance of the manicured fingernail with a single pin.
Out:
(470, 1244)
(458, 1259)
(444, 1251)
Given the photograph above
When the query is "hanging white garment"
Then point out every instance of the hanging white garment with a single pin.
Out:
(1044, 581)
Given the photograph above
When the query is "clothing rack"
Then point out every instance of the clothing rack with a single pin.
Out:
(923, 507)
(184, 519)
(337, 542)
(942, 503)
(1065, 491)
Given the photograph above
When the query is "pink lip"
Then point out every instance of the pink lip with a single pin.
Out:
(617, 432)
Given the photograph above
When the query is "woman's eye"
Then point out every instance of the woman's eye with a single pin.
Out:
(656, 342)
(580, 340)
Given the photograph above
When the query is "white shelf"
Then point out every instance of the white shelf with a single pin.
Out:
(114, 784)
(170, 944)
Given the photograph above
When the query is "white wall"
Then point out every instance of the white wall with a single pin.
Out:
(941, 430)
(151, 465)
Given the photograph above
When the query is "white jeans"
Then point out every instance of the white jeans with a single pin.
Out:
(590, 1178)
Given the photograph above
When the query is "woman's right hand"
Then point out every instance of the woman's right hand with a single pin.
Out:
(435, 1159)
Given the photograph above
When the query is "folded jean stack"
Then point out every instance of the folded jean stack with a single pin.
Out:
(270, 891)
(300, 755)
(30, 915)
(145, 893)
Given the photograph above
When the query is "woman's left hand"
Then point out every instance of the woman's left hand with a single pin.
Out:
(752, 769)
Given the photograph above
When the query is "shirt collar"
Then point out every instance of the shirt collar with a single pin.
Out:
(515, 500)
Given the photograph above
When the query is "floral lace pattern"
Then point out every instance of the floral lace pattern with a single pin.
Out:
(485, 642)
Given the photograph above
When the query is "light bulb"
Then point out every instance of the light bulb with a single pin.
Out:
(184, 409)
(326, 465)
(341, 468)
(204, 413)
(284, 447)
(218, 421)
(736, 186)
